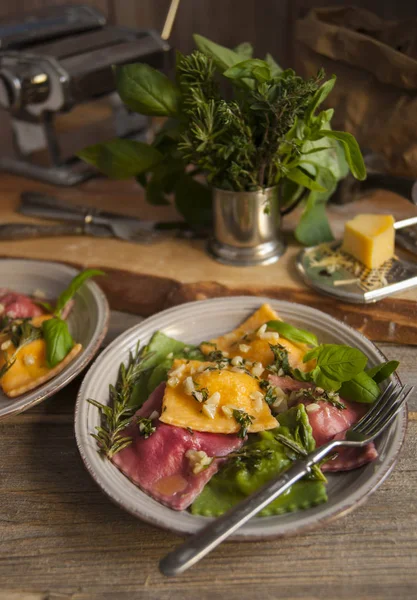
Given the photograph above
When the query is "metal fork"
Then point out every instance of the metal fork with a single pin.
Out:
(367, 429)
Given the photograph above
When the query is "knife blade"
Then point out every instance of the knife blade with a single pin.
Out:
(27, 231)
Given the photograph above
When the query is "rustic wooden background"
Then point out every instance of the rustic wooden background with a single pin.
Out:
(268, 24)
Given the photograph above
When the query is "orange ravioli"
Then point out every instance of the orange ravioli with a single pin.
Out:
(258, 348)
(234, 390)
(29, 369)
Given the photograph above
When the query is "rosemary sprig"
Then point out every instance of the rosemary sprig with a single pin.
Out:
(118, 414)
(295, 451)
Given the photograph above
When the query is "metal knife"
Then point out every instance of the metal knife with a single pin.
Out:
(123, 227)
(27, 231)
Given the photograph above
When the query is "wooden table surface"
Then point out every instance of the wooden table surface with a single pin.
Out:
(62, 538)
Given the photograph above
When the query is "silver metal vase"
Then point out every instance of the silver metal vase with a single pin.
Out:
(246, 227)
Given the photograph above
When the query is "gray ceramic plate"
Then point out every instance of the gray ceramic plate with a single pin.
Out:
(193, 323)
(87, 322)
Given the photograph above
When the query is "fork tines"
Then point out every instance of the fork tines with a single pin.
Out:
(384, 410)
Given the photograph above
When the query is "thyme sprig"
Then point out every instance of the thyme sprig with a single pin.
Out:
(117, 415)
(250, 458)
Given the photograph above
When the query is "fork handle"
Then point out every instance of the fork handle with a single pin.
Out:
(197, 546)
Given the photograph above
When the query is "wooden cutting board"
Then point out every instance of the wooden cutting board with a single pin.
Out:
(144, 279)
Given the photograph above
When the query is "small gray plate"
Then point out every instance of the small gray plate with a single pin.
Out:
(87, 322)
(353, 282)
(192, 323)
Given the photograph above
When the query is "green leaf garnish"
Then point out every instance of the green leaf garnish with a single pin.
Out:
(382, 371)
(291, 333)
(58, 340)
(73, 288)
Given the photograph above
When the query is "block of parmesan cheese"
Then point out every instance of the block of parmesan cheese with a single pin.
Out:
(370, 239)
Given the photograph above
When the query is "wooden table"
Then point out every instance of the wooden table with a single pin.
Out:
(62, 538)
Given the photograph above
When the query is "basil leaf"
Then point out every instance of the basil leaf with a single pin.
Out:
(187, 191)
(120, 158)
(339, 362)
(382, 371)
(323, 381)
(352, 151)
(251, 68)
(273, 65)
(292, 333)
(300, 375)
(319, 97)
(147, 91)
(301, 178)
(163, 180)
(73, 287)
(311, 354)
(58, 340)
(244, 49)
(313, 227)
(222, 57)
(361, 388)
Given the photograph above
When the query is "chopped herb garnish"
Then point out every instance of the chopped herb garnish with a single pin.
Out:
(250, 458)
(281, 364)
(217, 356)
(190, 431)
(146, 428)
(244, 420)
(316, 394)
(200, 394)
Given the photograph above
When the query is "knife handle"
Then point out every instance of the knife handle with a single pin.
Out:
(28, 231)
(39, 200)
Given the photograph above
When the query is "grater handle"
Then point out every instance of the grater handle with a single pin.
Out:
(405, 223)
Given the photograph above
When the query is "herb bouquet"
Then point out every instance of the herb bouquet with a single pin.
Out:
(269, 132)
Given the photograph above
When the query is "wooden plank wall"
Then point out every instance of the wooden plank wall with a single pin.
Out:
(268, 24)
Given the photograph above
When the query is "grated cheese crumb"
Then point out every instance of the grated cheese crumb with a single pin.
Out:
(313, 407)
(257, 369)
(178, 371)
(210, 410)
(236, 361)
(214, 399)
(270, 335)
(261, 330)
(154, 415)
(228, 409)
(189, 386)
(29, 360)
(173, 382)
(244, 348)
(6, 344)
(40, 294)
(198, 460)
